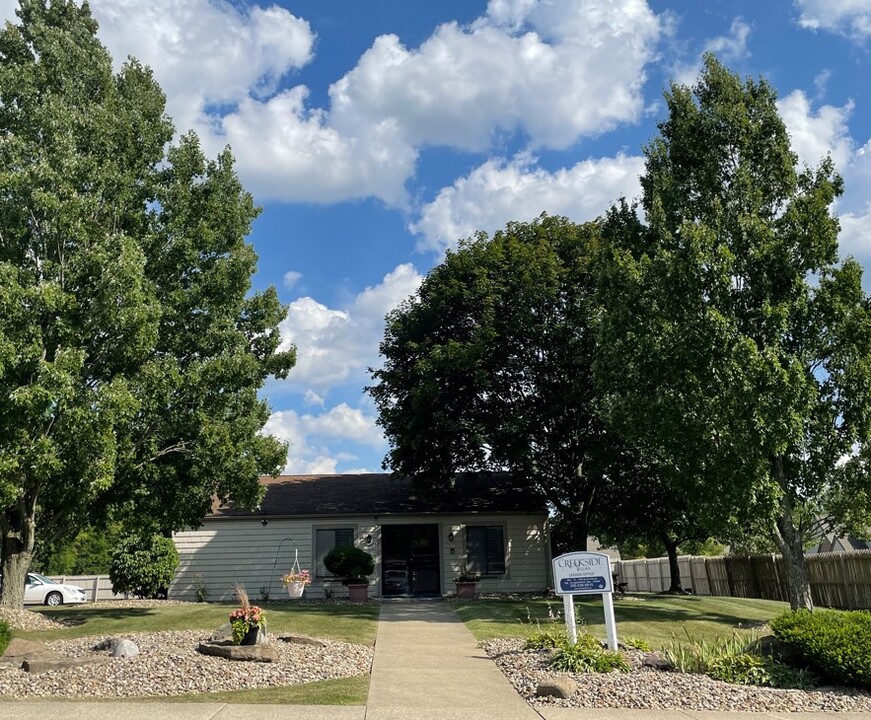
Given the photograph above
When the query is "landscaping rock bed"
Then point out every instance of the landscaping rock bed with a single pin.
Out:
(650, 688)
(169, 664)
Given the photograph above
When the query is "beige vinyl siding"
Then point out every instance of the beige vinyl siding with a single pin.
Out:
(226, 551)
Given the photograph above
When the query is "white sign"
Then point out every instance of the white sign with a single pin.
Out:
(582, 573)
(585, 573)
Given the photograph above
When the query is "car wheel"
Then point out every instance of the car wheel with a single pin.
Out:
(54, 599)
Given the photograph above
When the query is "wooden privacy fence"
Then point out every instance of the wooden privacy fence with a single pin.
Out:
(838, 580)
(96, 587)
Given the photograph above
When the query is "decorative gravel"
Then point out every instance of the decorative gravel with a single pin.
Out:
(27, 620)
(647, 688)
(169, 664)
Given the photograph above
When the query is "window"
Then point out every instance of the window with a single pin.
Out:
(325, 540)
(485, 549)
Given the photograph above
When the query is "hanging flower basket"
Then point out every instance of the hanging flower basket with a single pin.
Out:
(296, 580)
(295, 589)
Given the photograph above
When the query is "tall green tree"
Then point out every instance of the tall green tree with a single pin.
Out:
(130, 348)
(734, 343)
(489, 367)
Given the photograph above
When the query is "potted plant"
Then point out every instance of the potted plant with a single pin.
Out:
(466, 583)
(295, 582)
(247, 620)
(353, 566)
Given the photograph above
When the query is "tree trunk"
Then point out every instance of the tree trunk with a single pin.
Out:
(789, 542)
(673, 567)
(18, 533)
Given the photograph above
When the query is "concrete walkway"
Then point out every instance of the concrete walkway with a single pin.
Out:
(427, 667)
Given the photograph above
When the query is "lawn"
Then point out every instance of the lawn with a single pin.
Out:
(333, 621)
(653, 618)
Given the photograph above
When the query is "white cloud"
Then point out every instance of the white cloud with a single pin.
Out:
(307, 434)
(553, 71)
(557, 71)
(728, 48)
(206, 53)
(312, 398)
(851, 18)
(337, 346)
(291, 278)
(814, 134)
(500, 190)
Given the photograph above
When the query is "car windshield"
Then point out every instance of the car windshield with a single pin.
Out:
(42, 578)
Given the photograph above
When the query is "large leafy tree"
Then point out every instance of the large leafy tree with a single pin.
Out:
(489, 367)
(734, 343)
(130, 348)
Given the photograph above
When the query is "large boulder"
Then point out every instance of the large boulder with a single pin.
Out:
(245, 653)
(559, 687)
(124, 649)
(18, 651)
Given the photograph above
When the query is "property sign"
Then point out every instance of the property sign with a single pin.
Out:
(582, 573)
(585, 573)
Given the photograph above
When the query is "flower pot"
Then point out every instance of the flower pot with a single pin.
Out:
(466, 590)
(295, 589)
(358, 593)
(250, 637)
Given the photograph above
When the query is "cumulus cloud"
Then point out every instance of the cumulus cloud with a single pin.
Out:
(583, 62)
(307, 436)
(336, 346)
(815, 134)
(204, 53)
(502, 190)
(851, 18)
(728, 48)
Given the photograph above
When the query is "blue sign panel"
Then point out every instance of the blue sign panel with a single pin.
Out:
(582, 584)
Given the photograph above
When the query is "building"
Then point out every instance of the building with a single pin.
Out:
(487, 524)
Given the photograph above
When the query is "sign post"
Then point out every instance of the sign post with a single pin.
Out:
(585, 573)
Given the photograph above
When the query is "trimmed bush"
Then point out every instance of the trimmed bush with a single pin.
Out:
(143, 567)
(5, 636)
(350, 563)
(836, 644)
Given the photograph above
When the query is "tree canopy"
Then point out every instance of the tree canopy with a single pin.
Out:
(489, 367)
(734, 342)
(131, 348)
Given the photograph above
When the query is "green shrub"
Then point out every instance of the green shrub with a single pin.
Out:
(5, 636)
(143, 567)
(836, 644)
(350, 563)
(587, 655)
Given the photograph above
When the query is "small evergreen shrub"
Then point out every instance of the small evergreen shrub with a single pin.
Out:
(587, 655)
(836, 644)
(350, 563)
(5, 636)
(201, 592)
(143, 567)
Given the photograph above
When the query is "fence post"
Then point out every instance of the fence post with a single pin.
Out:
(848, 601)
(96, 586)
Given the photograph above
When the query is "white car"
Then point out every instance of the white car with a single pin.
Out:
(40, 590)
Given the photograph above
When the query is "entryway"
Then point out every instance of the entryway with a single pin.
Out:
(410, 560)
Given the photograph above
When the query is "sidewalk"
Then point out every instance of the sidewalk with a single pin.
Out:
(427, 667)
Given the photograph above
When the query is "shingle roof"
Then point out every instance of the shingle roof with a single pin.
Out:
(383, 494)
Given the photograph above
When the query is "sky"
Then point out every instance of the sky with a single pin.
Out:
(376, 134)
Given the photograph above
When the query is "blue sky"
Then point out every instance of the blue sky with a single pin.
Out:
(375, 134)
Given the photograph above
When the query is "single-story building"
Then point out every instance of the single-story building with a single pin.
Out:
(488, 524)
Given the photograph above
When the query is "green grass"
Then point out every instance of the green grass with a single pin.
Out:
(334, 621)
(656, 619)
(343, 691)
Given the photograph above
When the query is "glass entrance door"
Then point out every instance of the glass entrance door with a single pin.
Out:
(410, 559)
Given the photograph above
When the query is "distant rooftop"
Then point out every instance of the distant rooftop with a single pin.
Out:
(384, 494)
